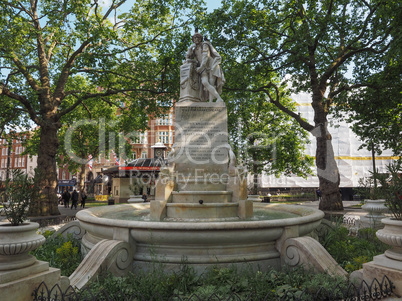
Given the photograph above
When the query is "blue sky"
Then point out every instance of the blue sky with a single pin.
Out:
(212, 4)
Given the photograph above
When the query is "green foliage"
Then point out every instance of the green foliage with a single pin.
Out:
(268, 44)
(146, 284)
(350, 252)
(375, 110)
(73, 60)
(62, 253)
(20, 191)
(264, 138)
(368, 189)
(386, 186)
(391, 184)
(218, 283)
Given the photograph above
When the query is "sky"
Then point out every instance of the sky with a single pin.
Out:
(212, 4)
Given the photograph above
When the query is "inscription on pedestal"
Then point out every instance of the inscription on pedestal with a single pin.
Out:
(201, 139)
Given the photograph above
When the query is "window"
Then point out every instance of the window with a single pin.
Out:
(166, 119)
(144, 137)
(163, 137)
(4, 153)
(3, 163)
(165, 103)
(144, 155)
(63, 175)
(134, 155)
(163, 120)
(23, 162)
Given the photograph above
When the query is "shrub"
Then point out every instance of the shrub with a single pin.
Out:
(352, 251)
(62, 253)
(217, 284)
(20, 190)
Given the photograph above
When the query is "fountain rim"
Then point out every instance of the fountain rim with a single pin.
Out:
(90, 216)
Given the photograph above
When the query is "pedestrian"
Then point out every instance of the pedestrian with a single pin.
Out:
(144, 197)
(66, 198)
(83, 199)
(319, 194)
(74, 199)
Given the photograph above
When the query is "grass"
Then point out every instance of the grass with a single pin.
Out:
(95, 204)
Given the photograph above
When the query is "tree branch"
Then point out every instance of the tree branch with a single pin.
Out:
(5, 91)
(276, 102)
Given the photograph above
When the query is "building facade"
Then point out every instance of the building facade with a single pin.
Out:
(12, 155)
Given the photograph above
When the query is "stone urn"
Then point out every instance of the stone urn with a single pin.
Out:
(376, 210)
(392, 236)
(15, 244)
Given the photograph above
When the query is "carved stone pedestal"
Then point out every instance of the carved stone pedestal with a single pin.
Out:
(20, 272)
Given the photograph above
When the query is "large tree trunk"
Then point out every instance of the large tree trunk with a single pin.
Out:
(47, 204)
(327, 169)
(328, 173)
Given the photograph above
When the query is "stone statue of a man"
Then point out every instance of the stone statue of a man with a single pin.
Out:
(205, 67)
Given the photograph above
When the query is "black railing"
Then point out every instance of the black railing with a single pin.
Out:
(376, 290)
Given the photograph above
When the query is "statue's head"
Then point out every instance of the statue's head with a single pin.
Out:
(197, 35)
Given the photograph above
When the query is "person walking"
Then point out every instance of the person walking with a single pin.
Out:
(144, 197)
(83, 199)
(74, 199)
(66, 198)
(319, 194)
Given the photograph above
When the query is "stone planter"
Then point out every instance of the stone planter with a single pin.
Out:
(15, 244)
(376, 210)
(392, 236)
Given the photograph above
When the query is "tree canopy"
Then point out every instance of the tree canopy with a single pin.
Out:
(46, 45)
(313, 42)
(265, 139)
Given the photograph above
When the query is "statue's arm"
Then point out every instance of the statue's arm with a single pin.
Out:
(190, 53)
(205, 58)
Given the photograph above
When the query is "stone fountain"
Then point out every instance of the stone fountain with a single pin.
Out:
(200, 214)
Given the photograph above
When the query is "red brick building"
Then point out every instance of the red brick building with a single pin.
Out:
(11, 155)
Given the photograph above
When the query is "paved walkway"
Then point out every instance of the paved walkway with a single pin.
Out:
(68, 211)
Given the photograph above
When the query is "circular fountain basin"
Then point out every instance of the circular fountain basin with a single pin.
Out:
(199, 243)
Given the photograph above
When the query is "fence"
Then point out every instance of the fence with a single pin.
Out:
(375, 291)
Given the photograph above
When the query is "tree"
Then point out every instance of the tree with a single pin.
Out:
(45, 44)
(375, 110)
(313, 42)
(264, 138)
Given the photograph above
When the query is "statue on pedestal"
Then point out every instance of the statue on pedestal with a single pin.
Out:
(201, 76)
